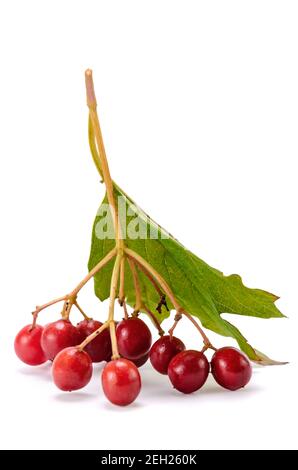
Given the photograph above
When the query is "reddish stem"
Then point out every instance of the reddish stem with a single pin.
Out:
(34, 320)
(177, 318)
(154, 320)
(206, 340)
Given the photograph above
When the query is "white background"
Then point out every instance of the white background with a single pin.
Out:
(199, 109)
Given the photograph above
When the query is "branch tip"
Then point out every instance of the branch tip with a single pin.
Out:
(91, 99)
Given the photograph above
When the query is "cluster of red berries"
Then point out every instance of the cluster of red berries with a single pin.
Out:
(121, 382)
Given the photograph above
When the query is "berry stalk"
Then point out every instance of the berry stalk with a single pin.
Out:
(113, 292)
(166, 288)
(138, 304)
(121, 296)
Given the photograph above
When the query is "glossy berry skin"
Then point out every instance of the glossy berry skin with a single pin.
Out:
(72, 369)
(133, 338)
(58, 335)
(27, 345)
(121, 381)
(231, 368)
(100, 349)
(188, 371)
(163, 350)
(141, 360)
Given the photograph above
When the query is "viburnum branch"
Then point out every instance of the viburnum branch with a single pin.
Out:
(103, 162)
(166, 288)
(93, 336)
(120, 380)
(99, 156)
(121, 297)
(177, 318)
(154, 320)
(136, 281)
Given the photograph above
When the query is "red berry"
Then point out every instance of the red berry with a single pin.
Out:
(141, 360)
(231, 368)
(72, 369)
(133, 338)
(121, 381)
(163, 350)
(100, 349)
(27, 345)
(58, 335)
(188, 371)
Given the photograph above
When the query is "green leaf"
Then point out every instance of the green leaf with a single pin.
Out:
(201, 290)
